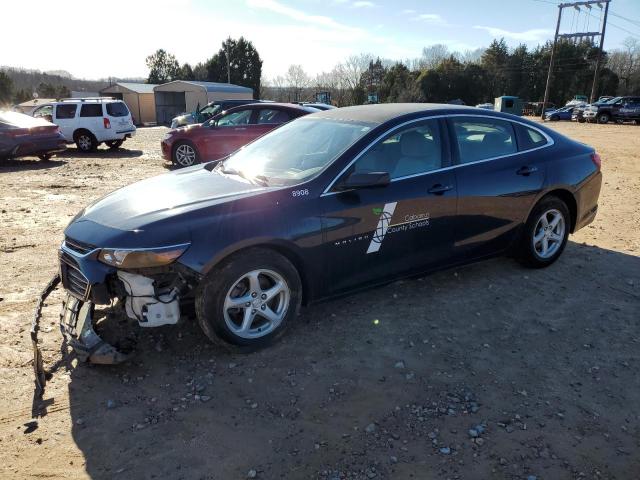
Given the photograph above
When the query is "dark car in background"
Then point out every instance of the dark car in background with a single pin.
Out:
(327, 204)
(618, 109)
(226, 132)
(563, 113)
(22, 135)
(209, 110)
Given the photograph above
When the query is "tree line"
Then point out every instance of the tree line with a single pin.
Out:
(474, 77)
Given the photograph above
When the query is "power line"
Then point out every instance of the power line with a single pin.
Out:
(634, 22)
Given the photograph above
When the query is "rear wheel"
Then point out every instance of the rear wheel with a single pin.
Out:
(545, 233)
(185, 154)
(114, 144)
(603, 118)
(85, 141)
(250, 300)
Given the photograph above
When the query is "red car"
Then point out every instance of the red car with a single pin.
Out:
(227, 132)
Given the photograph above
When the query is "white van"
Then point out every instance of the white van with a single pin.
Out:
(88, 122)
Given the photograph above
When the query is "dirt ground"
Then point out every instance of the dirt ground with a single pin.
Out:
(488, 371)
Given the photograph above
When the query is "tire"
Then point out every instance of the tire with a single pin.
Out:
(603, 118)
(114, 144)
(532, 253)
(185, 154)
(85, 141)
(45, 157)
(581, 120)
(228, 310)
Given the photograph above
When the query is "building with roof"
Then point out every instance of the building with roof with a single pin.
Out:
(139, 97)
(181, 96)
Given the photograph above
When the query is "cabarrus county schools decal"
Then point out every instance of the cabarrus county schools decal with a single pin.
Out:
(384, 221)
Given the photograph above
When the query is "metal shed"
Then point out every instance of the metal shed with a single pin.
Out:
(139, 97)
(182, 96)
(508, 104)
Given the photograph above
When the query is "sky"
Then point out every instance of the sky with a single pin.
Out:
(98, 39)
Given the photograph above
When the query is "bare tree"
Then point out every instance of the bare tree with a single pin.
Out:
(433, 55)
(297, 80)
(626, 64)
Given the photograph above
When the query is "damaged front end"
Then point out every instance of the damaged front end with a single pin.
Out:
(145, 281)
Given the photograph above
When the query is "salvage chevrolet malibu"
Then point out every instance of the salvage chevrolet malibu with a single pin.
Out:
(329, 203)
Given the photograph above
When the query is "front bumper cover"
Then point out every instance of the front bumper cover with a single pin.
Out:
(76, 325)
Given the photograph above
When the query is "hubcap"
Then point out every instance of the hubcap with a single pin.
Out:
(256, 304)
(185, 155)
(548, 233)
(85, 142)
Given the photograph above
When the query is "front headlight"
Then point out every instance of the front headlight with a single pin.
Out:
(142, 258)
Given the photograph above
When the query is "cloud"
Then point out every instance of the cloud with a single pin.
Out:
(432, 18)
(298, 15)
(408, 11)
(533, 35)
(363, 4)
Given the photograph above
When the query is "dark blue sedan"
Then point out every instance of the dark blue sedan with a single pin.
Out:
(563, 113)
(327, 204)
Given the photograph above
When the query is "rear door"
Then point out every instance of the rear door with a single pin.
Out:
(91, 117)
(267, 119)
(630, 109)
(497, 179)
(64, 116)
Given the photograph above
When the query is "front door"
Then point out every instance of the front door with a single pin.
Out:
(375, 234)
(227, 134)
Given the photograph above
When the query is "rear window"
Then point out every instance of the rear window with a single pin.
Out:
(117, 109)
(529, 138)
(66, 111)
(91, 110)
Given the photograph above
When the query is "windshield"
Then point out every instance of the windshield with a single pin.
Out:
(613, 100)
(211, 110)
(295, 152)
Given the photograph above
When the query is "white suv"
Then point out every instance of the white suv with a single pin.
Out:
(88, 122)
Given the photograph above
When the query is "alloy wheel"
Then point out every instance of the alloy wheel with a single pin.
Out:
(185, 155)
(256, 304)
(84, 142)
(548, 233)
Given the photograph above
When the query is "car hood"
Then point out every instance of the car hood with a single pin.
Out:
(153, 200)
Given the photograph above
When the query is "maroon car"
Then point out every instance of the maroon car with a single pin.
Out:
(227, 132)
(22, 135)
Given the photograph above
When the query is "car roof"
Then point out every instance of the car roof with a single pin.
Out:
(289, 106)
(384, 112)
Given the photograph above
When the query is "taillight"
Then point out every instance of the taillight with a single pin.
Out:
(597, 161)
(107, 123)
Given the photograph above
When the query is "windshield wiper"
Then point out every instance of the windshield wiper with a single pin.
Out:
(262, 180)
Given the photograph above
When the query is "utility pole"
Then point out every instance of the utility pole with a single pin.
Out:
(594, 88)
(228, 62)
(553, 51)
(580, 36)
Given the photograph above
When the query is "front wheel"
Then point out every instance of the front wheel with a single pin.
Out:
(114, 144)
(250, 300)
(185, 155)
(545, 233)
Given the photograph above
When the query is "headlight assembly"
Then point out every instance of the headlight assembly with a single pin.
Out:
(142, 258)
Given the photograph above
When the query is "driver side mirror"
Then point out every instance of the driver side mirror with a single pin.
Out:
(358, 180)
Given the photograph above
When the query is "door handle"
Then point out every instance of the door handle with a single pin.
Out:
(439, 189)
(526, 170)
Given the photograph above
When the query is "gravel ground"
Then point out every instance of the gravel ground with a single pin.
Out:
(488, 371)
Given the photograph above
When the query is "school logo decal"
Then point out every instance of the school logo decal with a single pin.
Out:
(384, 221)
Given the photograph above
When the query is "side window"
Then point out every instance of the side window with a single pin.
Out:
(529, 138)
(406, 152)
(46, 111)
(483, 138)
(66, 111)
(272, 116)
(509, 104)
(235, 118)
(91, 110)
